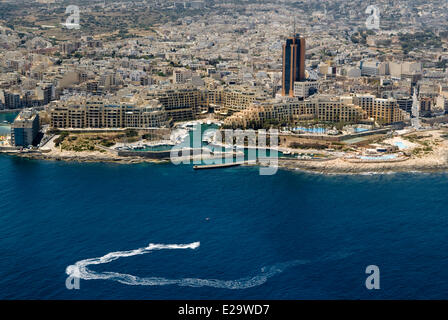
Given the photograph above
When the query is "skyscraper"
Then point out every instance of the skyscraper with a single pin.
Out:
(293, 64)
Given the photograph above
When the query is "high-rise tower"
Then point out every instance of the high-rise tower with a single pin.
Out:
(293, 64)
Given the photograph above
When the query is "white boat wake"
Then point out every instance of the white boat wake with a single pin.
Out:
(80, 270)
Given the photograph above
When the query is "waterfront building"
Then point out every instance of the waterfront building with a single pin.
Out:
(186, 102)
(383, 111)
(99, 114)
(25, 128)
(180, 103)
(330, 109)
(238, 98)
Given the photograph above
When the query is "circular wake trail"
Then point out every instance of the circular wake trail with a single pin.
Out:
(80, 270)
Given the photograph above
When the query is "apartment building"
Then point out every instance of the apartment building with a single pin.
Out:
(185, 102)
(98, 114)
(384, 111)
(238, 98)
(325, 109)
(180, 104)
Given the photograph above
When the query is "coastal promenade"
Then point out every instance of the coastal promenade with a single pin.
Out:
(422, 151)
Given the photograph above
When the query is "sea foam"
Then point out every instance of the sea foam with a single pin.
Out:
(80, 270)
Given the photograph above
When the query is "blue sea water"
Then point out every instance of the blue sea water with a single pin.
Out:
(292, 235)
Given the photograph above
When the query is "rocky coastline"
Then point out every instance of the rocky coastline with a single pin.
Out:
(330, 167)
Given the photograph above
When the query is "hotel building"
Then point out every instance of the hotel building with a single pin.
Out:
(181, 103)
(25, 129)
(323, 108)
(99, 114)
(383, 111)
(293, 64)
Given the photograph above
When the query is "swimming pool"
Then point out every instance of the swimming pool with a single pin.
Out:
(401, 145)
(311, 130)
(163, 147)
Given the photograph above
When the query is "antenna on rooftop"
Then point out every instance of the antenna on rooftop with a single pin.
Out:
(295, 33)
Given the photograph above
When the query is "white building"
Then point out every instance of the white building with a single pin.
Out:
(303, 89)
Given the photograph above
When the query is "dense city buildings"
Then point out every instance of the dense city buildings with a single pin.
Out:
(202, 62)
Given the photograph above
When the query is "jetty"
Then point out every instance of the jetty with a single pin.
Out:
(217, 166)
